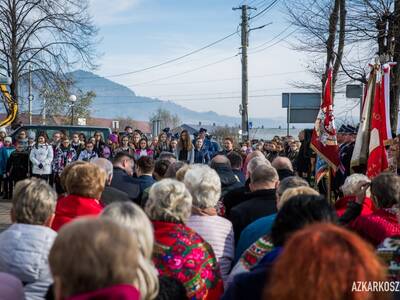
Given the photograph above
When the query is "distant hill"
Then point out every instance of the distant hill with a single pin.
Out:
(115, 100)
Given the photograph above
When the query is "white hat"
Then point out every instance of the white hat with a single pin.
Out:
(3, 129)
(8, 139)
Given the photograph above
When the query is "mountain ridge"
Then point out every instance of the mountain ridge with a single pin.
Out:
(116, 100)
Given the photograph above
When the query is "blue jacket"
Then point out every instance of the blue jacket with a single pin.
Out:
(144, 182)
(5, 153)
(201, 157)
(252, 233)
(251, 285)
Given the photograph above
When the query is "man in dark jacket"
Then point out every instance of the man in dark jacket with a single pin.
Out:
(283, 166)
(122, 180)
(261, 201)
(237, 165)
(229, 181)
(109, 194)
(144, 172)
(240, 195)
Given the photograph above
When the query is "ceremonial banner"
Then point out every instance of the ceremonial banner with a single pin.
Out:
(324, 141)
(387, 131)
(378, 160)
(361, 148)
(321, 169)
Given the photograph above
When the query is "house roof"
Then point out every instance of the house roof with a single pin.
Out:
(101, 122)
(191, 128)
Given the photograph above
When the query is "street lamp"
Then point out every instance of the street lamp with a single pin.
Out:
(72, 98)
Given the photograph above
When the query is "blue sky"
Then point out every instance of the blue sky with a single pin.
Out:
(140, 33)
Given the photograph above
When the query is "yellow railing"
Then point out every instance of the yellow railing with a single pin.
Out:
(11, 106)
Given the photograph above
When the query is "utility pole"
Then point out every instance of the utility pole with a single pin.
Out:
(245, 81)
(30, 97)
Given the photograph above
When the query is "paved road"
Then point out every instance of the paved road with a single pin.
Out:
(5, 220)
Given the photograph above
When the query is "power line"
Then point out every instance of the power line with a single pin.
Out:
(234, 98)
(208, 81)
(265, 10)
(190, 95)
(188, 71)
(171, 60)
(274, 38)
(274, 44)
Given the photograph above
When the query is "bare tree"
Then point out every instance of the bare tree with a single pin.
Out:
(323, 37)
(50, 35)
(166, 118)
(367, 29)
(58, 103)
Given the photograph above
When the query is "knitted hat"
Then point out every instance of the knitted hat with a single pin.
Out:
(32, 135)
(113, 138)
(8, 139)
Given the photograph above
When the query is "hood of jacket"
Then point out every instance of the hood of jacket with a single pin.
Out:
(24, 249)
(116, 292)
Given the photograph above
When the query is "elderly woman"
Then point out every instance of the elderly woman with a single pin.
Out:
(179, 251)
(25, 245)
(349, 190)
(133, 217)
(383, 222)
(204, 185)
(89, 260)
(84, 184)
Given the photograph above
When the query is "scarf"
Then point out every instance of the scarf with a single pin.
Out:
(181, 253)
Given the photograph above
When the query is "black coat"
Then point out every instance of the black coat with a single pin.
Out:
(125, 183)
(259, 204)
(18, 165)
(305, 153)
(235, 197)
(284, 173)
(111, 195)
(229, 181)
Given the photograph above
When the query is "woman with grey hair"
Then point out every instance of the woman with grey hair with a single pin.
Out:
(133, 217)
(179, 251)
(25, 245)
(204, 185)
(349, 190)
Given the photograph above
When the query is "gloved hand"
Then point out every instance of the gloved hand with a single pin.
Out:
(40, 166)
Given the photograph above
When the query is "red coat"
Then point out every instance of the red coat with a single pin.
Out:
(73, 206)
(377, 226)
(341, 205)
(115, 292)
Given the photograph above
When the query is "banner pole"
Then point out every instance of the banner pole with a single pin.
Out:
(329, 183)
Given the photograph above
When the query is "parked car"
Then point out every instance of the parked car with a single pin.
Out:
(88, 131)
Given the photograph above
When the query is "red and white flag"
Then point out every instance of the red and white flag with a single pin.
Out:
(380, 125)
(324, 141)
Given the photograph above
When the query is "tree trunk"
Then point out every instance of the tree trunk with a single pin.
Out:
(14, 56)
(341, 43)
(395, 82)
(330, 42)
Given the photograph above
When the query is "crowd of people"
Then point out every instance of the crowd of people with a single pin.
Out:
(182, 218)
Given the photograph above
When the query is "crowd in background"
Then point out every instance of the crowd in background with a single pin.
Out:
(183, 218)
